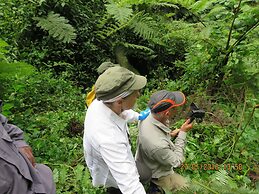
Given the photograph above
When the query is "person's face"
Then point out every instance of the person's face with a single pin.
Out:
(129, 101)
(171, 115)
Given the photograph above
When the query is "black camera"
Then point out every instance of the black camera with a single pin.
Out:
(196, 113)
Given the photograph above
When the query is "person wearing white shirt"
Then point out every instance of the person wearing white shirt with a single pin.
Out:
(106, 142)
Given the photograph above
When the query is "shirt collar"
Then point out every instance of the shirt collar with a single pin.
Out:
(159, 124)
(120, 122)
(3, 134)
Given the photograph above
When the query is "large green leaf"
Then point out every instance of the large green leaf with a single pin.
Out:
(57, 26)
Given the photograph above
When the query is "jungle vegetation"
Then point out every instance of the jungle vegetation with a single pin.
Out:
(50, 50)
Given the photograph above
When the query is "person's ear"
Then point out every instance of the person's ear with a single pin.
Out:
(120, 101)
(118, 105)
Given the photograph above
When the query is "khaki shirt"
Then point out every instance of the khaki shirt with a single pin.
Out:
(156, 151)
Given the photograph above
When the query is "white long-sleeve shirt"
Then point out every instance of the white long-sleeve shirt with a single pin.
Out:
(108, 152)
(130, 115)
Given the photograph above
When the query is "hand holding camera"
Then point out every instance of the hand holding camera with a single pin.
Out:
(186, 126)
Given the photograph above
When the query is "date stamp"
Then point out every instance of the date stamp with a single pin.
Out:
(213, 167)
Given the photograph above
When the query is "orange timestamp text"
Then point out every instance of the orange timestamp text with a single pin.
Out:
(208, 166)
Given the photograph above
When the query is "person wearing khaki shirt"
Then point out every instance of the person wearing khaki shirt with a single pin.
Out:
(157, 155)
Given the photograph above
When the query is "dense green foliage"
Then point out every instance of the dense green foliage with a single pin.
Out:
(205, 43)
(51, 112)
(207, 49)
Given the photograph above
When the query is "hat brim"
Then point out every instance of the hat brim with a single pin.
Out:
(140, 83)
(179, 98)
(164, 100)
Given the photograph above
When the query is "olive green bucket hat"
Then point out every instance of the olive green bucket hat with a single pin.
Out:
(104, 66)
(116, 80)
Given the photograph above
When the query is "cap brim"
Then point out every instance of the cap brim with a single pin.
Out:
(179, 98)
(140, 83)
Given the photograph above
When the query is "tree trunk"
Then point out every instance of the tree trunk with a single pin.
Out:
(122, 59)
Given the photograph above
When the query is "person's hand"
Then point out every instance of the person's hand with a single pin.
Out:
(186, 126)
(143, 114)
(27, 151)
(174, 132)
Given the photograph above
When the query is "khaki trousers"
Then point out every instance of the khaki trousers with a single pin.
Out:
(172, 182)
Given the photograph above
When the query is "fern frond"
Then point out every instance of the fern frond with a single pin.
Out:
(216, 10)
(221, 177)
(178, 29)
(103, 21)
(144, 26)
(120, 13)
(165, 4)
(220, 183)
(245, 190)
(202, 185)
(137, 47)
(184, 3)
(108, 31)
(202, 5)
(57, 27)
